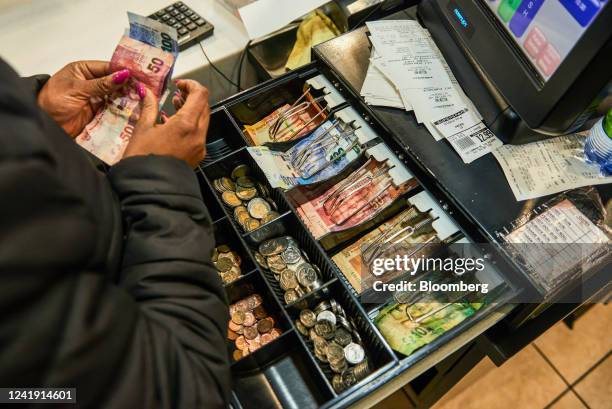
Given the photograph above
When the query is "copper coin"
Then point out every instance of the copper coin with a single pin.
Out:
(275, 333)
(250, 332)
(231, 335)
(237, 354)
(241, 342)
(254, 346)
(266, 338)
(238, 317)
(249, 319)
(264, 326)
(253, 301)
(234, 327)
(245, 352)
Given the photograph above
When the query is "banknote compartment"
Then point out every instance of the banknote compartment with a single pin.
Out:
(225, 234)
(224, 167)
(255, 284)
(280, 375)
(223, 137)
(290, 225)
(379, 356)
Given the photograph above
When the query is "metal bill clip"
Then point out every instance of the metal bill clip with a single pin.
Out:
(312, 158)
(352, 188)
(290, 117)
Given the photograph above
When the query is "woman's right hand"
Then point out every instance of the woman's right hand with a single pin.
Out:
(183, 135)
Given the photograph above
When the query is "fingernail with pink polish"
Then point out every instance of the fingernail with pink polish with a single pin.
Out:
(141, 90)
(121, 76)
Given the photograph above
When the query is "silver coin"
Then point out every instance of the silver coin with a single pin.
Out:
(354, 353)
(327, 316)
(306, 275)
(291, 255)
(316, 284)
(258, 208)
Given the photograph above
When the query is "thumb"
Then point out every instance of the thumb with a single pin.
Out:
(149, 109)
(103, 86)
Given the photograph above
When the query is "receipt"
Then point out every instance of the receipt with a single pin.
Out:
(546, 167)
(474, 142)
(455, 122)
(411, 60)
(378, 90)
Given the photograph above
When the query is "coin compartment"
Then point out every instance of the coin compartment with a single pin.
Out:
(307, 243)
(223, 137)
(255, 284)
(225, 234)
(224, 168)
(379, 355)
(280, 375)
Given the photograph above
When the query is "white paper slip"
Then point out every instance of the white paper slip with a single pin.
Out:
(474, 142)
(378, 90)
(547, 167)
(458, 121)
(266, 16)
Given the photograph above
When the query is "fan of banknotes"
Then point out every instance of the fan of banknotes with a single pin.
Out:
(149, 50)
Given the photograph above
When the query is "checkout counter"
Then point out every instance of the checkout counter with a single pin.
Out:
(476, 198)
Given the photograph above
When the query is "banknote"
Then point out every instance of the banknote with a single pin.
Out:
(354, 261)
(149, 50)
(323, 154)
(291, 123)
(406, 335)
(367, 191)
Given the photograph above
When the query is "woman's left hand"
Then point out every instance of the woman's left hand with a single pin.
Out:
(75, 93)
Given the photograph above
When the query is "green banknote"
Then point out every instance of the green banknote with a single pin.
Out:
(406, 335)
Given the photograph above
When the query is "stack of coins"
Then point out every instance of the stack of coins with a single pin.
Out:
(290, 266)
(335, 343)
(250, 327)
(250, 200)
(227, 262)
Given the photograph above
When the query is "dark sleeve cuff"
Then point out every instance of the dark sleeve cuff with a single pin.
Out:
(154, 174)
(35, 83)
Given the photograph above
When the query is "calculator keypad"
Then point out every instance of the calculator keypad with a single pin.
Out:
(190, 26)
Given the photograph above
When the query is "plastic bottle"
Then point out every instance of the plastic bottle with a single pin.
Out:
(598, 145)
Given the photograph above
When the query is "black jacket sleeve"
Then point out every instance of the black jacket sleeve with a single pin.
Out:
(155, 338)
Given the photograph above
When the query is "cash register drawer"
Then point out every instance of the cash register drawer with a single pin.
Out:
(287, 372)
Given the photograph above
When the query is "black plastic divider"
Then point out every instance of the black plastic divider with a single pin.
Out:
(225, 234)
(377, 353)
(223, 136)
(290, 226)
(222, 168)
(212, 204)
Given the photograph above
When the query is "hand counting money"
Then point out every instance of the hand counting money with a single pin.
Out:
(149, 50)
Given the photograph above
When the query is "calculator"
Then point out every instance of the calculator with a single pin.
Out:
(191, 27)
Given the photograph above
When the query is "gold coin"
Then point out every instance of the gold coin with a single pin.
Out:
(230, 199)
(252, 224)
(245, 181)
(227, 183)
(246, 193)
(224, 265)
(238, 210)
(243, 218)
(223, 248)
(271, 215)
